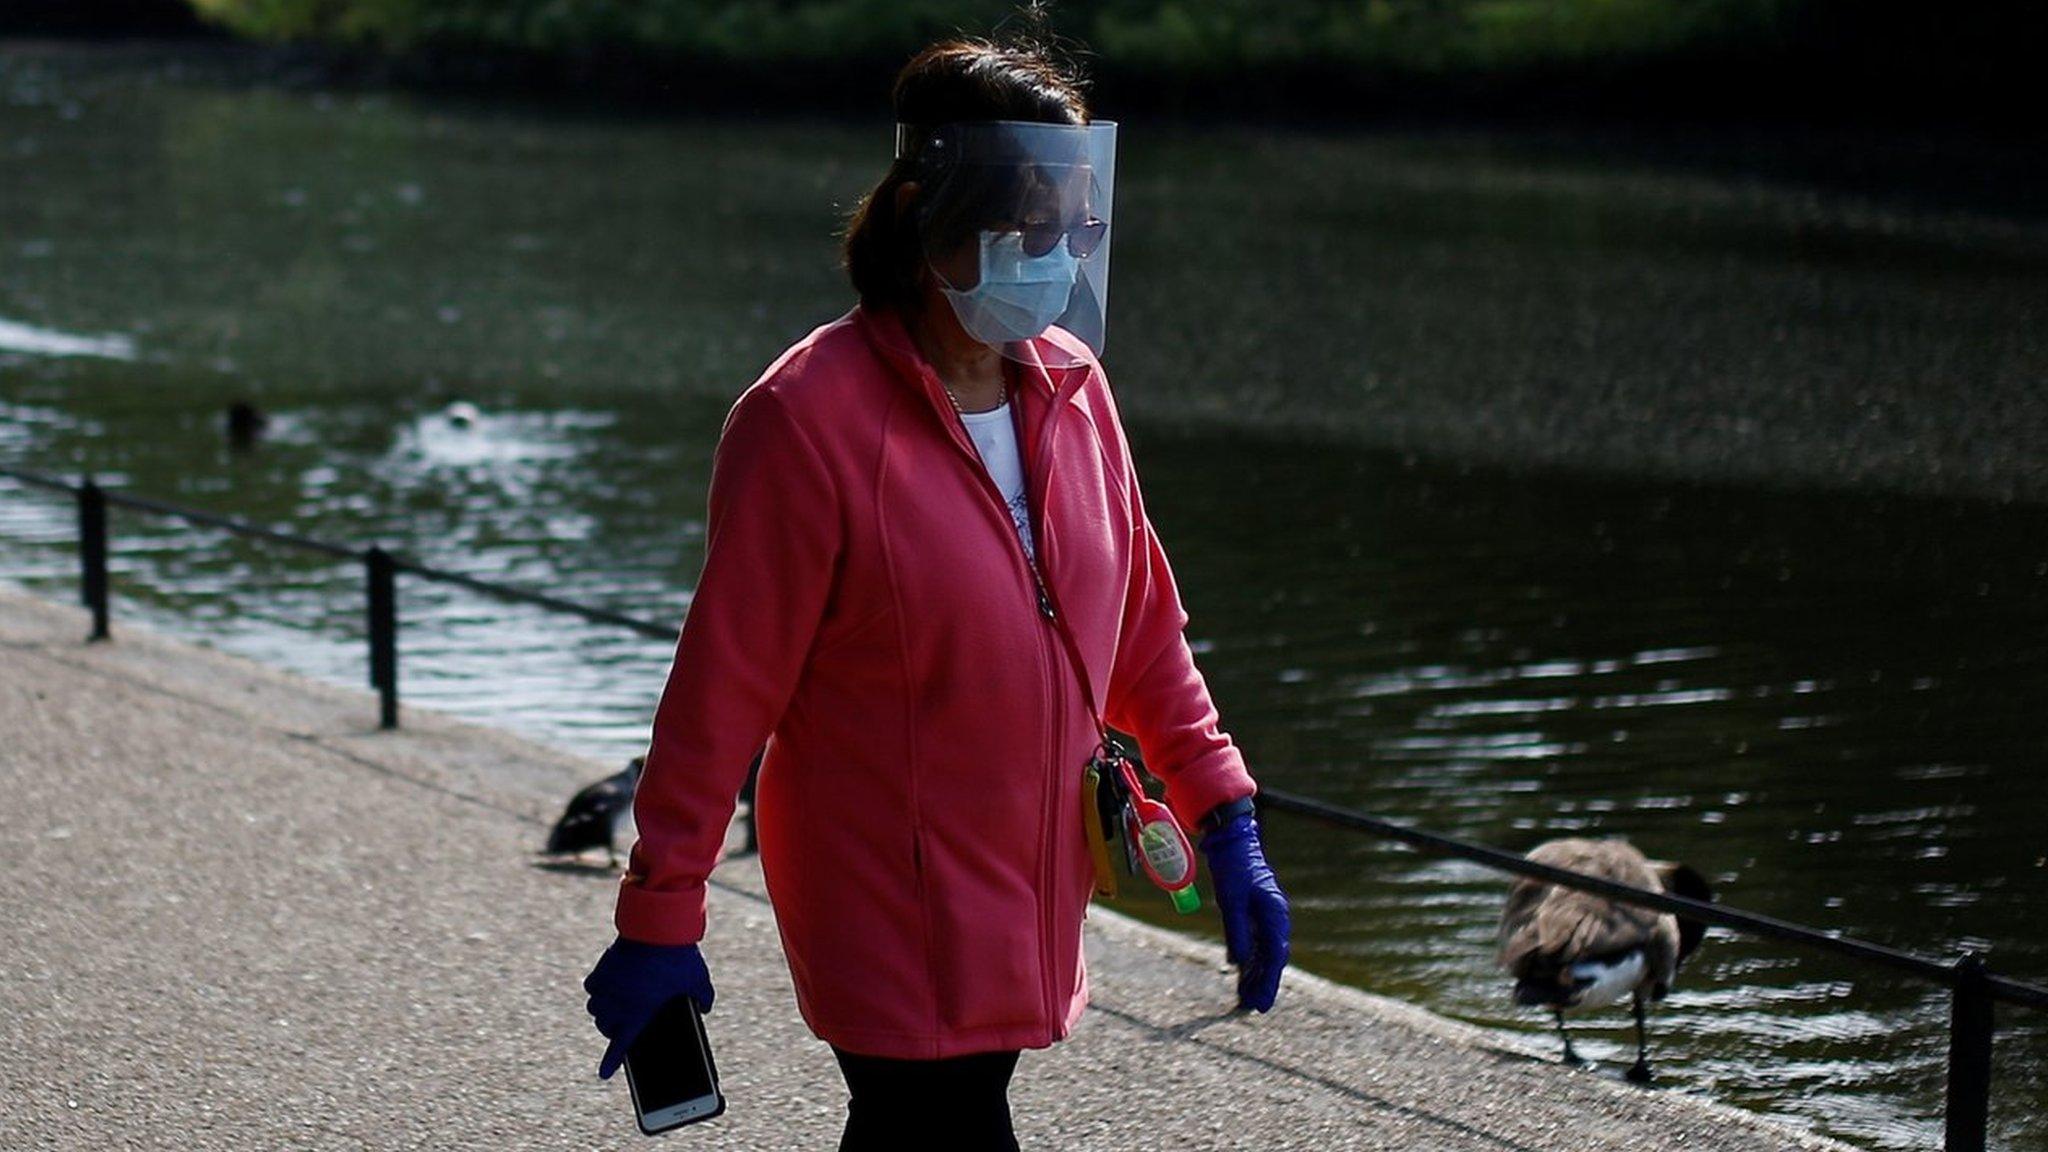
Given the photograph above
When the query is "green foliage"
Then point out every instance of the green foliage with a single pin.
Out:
(278, 19)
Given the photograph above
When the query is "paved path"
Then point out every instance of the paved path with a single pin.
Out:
(237, 916)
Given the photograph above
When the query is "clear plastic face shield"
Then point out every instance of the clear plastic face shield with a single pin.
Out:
(1014, 217)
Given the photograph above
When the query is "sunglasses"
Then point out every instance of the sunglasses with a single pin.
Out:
(1082, 238)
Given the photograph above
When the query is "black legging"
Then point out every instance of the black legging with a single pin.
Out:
(904, 1103)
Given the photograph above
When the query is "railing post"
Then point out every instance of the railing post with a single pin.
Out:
(1969, 1058)
(383, 588)
(92, 554)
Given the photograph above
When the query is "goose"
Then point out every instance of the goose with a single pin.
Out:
(594, 814)
(1573, 951)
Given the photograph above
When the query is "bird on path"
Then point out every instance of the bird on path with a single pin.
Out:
(1574, 951)
(594, 814)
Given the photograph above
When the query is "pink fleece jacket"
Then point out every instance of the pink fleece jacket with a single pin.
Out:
(866, 609)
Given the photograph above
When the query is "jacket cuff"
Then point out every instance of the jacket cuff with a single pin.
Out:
(660, 917)
(1223, 814)
(1196, 790)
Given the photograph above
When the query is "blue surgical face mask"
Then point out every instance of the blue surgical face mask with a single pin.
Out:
(1019, 296)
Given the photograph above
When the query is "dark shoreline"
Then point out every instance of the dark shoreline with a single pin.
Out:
(1677, 93)
(1997, 164)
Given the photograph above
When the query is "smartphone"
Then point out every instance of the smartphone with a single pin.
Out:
(670, 1070)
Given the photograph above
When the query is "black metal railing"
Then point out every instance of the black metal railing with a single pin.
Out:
(1974, 990)
(380, 575)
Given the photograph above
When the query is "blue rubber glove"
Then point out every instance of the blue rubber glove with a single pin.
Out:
(630, 984)
(1256, 928)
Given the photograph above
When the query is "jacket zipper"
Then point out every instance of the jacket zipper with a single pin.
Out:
(1034, 513)
(1033, 500)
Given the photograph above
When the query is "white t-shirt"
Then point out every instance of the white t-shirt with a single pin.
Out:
(996, 438)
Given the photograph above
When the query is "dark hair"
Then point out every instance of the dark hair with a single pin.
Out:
(1017, 79)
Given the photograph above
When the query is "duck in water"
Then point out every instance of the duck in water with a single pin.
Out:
(246, 423)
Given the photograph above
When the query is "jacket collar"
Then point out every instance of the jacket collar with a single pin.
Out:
(883, 326)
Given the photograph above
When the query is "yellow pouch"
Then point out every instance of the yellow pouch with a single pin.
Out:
(1097, 835)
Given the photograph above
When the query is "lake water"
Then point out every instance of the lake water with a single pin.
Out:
(1830, 703)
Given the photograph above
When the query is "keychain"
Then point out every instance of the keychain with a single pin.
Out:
(1099, 817)
(1113, 802)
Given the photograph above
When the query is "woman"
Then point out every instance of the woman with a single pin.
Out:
(928, 563)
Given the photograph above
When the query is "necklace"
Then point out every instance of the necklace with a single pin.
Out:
(956, 399)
